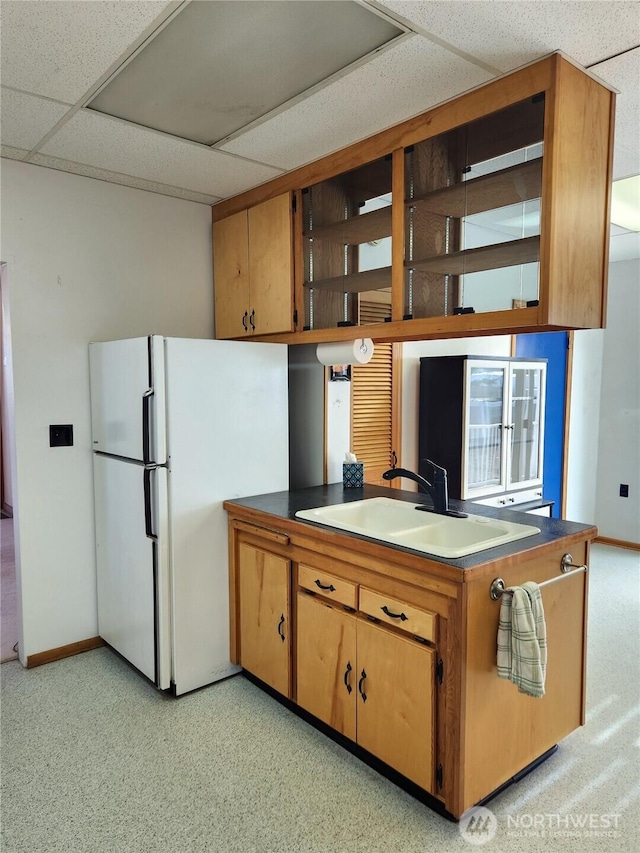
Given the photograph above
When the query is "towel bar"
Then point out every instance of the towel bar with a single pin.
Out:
(497, 588)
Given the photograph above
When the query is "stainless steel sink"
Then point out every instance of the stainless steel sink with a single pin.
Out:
(399, 523)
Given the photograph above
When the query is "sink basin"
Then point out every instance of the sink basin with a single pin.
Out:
(399, 523)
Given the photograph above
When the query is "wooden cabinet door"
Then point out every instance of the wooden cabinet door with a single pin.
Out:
(271, 266)
(231, 276)
(265, 642)
(326, 663)
(395, 716)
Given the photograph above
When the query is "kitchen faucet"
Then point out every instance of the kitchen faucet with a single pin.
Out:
(437, 489)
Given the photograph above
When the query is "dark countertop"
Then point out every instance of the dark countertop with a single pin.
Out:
(284, 505)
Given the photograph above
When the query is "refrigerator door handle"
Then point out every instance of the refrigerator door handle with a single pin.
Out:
(148, 513)
(146, 426)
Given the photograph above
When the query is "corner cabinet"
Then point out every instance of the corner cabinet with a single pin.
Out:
(483, 420)
(489, 213)
(253, 270)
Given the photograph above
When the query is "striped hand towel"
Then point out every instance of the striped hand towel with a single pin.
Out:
(522, 639)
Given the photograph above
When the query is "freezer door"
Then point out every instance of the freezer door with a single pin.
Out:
(133, 585)
(127, 398)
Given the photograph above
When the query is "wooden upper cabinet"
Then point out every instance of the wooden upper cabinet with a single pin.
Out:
(253, 270)
(486, 214)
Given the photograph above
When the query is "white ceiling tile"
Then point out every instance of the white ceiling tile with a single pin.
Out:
(59, 49)
(26, 119)
(509, 33)
(623, 72)
(400, 82)
(116, 178)
(106, 143)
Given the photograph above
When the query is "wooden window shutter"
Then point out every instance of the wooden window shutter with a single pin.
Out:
(375, 412)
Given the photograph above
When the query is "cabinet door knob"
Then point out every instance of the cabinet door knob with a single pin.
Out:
(280, 624)
(347, 680)
(331, 587)
(401, 616)
(360, 683)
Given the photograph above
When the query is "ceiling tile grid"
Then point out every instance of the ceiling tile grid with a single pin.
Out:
(124, 180)
(95, 140)
(623, 72)
(509, 34)
(56, 55)
(26, 119)
(400, 82)
(60, 48)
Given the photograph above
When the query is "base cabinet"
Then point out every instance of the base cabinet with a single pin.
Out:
(397, 653)
(265, 642)
(368, 683)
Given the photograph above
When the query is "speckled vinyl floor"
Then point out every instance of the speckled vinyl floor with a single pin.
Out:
(96, 761)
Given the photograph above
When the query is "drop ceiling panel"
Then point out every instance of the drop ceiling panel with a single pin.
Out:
(404, 80)
(25, 119)
(623, 72)
(105, 143)
(509, 34)
(118, 178)
(218, 66)
(59, 49)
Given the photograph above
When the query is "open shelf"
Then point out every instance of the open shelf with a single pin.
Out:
(357, 282)
(359, 229)
(487, 192)
(498, 255)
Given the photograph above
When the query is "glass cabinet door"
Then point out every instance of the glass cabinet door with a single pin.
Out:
(347, 248)
(526, 424)
(472, 215)
(484, 458)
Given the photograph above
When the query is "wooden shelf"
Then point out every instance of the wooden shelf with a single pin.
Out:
(499, 255)
(359, 229)
(487, 192)
(357, 282)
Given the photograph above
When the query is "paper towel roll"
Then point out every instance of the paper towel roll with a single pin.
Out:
(345, 352)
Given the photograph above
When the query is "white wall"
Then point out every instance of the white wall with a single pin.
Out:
(86, 260)
(412, 352)
(584, 423)
(619, 445)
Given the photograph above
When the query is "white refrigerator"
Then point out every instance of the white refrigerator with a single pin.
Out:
(178, 426)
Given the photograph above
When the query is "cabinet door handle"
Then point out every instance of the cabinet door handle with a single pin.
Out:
(401, 616)
(394, 459)
(280, 624)
(251, 318)
(244, 321)
(331, 587)
(360, 683)
(347, 680)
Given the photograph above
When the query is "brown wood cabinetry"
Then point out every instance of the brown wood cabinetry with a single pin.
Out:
(397, 652)
(253, 270)
(368, 683)
(400, 220)
(265, 622)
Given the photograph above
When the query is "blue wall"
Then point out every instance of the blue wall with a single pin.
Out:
(552, 346)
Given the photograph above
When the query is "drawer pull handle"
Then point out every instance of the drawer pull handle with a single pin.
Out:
(280, 624)
(331, 587)
(360, 683)
(244, 321)
(401, 616)
(347, 672)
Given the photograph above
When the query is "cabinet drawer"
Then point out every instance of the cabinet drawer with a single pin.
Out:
(328, 585)
(392, 611)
